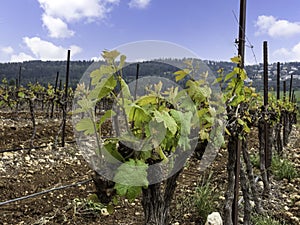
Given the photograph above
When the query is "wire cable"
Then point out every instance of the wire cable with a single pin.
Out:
(44, 192)
(247, 39)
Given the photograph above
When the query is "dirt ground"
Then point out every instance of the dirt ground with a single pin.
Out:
(23, 173)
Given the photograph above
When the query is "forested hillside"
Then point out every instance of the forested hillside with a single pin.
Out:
(45, 72)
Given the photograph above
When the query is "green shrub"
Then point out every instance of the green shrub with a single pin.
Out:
(265, 220)
(205, 197)
(283, 168)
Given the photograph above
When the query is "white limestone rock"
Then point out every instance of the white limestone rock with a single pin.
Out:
(214, 219)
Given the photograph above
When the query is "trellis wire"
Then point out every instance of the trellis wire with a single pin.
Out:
(44, 192)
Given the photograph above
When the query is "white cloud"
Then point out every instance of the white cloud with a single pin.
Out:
(62, 12)
(5, 53)
(57, 28)
(276, 28)
(7, 50)
(45, 50)
(21, 57)
(141, 4)
(38, 50)
(284, 54)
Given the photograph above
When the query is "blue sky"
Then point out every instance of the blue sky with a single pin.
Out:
(45, 29)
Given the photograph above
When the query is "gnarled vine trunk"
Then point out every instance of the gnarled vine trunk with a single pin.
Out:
(286, 122)
(249, 171)
(277, 138)
(229, 195)
(262, 146)
(104, 188)
(157, 201)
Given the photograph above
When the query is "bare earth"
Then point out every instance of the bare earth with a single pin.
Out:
(23, 173)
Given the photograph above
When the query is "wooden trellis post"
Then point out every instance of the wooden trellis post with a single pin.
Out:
(65, 100)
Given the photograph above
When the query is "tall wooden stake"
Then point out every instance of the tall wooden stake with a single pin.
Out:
(66, 100)
(284, 90)
(266, 102)
(242, 32)
(278, 80)
(284, 116)
(241, 53)
(291, 88)
(266, 85)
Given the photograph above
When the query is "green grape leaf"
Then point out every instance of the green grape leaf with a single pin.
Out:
(177, 116)
(236, 59)
(110, 146)
(139, 115)
(125, 90)
(148, 99)
(86, 104)
(243, 74)
(96, 75)
(179, 75)
(184, 122)
(110, 55)
(79, 110)
(158, 87)
(194, 92)
(204, 135)
(106, 86)
(239, 87)
(157, 132)
(184, 142)
(168, 121)
(21, 95)
(205, 91)
(86, 125)
(130, 192)
(131, 172)
(122, 62)
(146, 154)
(237, 100)
(202, 112)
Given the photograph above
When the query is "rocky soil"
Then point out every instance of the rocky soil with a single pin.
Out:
(284, 201)
(23, 173)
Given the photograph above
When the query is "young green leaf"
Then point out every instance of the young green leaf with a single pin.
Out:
(21, 95)
(130, 177)
(236, 59)
(110, 56)
(86, 125)
(168, 121)
(110, 151)
(179, 75)
(147, 99)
